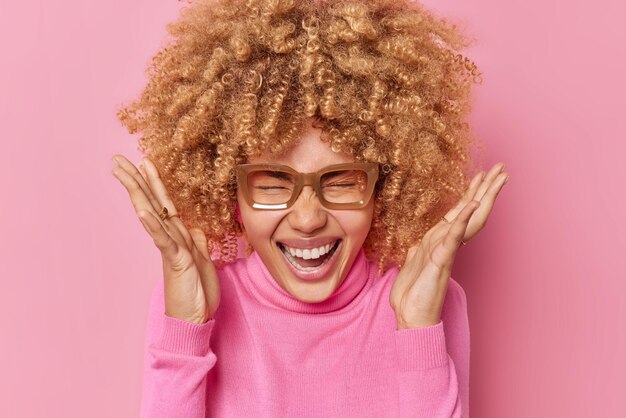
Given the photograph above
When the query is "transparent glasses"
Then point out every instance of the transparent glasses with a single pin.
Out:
(338, 186)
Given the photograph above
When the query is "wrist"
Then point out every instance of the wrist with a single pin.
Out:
(417, 322)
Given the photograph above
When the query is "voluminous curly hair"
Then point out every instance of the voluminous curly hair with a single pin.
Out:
(383, 77)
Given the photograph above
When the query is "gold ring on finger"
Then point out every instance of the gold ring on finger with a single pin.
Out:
(163, 213)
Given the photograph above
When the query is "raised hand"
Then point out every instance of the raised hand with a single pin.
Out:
(192, 291)
(419, 290)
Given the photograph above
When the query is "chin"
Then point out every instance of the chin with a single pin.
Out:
(313, 293)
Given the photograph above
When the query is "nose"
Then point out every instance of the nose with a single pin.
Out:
(307, 213)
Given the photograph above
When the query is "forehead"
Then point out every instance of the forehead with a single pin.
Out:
(310, 154)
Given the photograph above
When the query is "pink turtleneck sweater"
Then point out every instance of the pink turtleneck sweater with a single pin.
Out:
(267, 354)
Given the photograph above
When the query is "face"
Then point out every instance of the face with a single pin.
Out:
(307, 225)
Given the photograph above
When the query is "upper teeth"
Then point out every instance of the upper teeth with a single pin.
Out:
(309, 253)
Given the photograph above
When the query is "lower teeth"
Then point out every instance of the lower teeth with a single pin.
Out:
(294, 263)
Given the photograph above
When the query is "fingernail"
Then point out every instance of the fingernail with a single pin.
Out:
(506, 179)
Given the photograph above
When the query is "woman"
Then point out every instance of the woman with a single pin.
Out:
(331, 137)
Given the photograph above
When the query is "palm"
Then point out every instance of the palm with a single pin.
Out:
(192, 290)
(419, 290)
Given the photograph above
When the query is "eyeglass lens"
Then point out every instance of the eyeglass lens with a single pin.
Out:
(276, 187)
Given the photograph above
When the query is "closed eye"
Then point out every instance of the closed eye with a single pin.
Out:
(340, 185)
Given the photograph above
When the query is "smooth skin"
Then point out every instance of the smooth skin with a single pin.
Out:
(192, 290)
(306, 219)
(419, 291)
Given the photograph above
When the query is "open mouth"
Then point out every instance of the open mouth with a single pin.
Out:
(309, 259)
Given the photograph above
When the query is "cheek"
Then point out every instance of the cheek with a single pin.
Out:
(356, 225)
(259, 225)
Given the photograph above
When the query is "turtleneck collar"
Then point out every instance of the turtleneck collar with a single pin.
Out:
(267, 290)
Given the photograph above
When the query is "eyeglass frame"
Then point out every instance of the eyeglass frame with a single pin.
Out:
(307, 179)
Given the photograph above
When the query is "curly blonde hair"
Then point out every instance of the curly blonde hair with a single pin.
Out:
(384, 79)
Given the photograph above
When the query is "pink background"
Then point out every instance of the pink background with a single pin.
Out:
(544, 278)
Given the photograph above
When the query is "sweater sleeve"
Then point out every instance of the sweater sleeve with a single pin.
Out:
(177, 359)
(433, 363)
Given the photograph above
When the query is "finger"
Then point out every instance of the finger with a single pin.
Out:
(158, 187)
(141, 202)
(489, 180)
(455, 234)
(141, 180)
(143, 172)
(164, 242)
(486, 204)
(475, 182)
(137, 196)
(468, 196)
(471, 190)
(164, 200)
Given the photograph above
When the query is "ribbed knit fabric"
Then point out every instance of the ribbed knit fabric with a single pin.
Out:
(267, 354)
